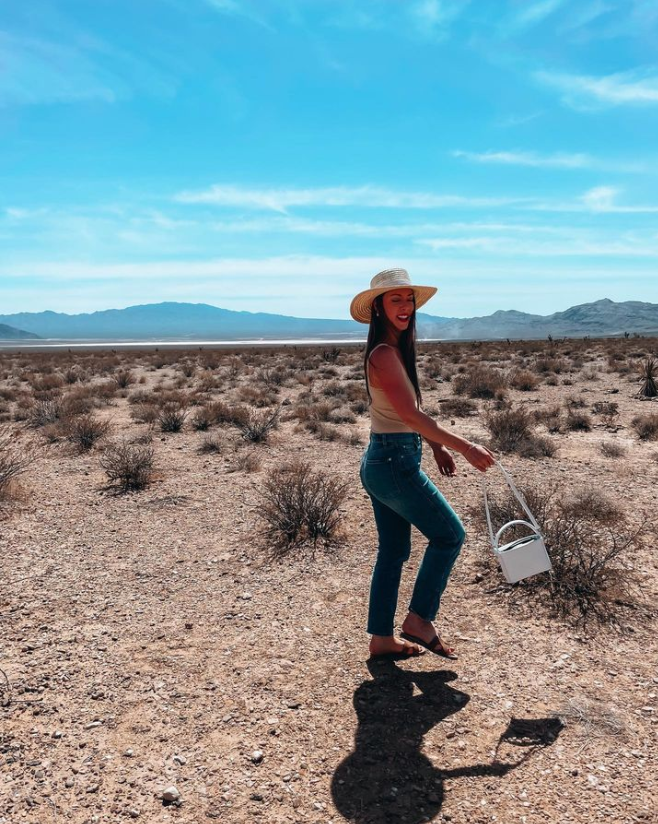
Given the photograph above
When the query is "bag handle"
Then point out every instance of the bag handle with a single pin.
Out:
(511, 523)
(518, 497)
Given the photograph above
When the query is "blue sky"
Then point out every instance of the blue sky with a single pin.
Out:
(273, 156)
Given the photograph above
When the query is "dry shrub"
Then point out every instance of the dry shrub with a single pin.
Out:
(544, 365)
(256, 428)
(15, 458)
(608, 411)
(144, 413)
(591, 545)
(458, 407)
(610, 449)
(45, 412)
(223, 413)
(480, 382)
(549, 416)
(512, 430)
(211, 444)
(646, 426)
(578, 421)
(128, 465)
(84, 431)
(171, 416)
(247, 460)
(202, 419)
(523, 380)
(301, 509)
(123, 379)
(648, 378)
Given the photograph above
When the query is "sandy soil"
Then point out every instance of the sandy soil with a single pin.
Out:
(148, 641)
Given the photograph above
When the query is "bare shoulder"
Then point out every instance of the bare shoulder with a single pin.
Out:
(384, 356)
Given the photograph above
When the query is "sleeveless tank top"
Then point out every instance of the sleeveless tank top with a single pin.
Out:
(383, 417)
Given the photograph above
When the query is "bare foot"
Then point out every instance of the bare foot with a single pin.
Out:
(381, 644)
(414, 625)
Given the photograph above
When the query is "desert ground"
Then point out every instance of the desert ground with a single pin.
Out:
(169, 654)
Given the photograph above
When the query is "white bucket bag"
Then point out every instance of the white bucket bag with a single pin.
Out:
(522, 557)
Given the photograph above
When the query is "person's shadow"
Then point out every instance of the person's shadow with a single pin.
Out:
(387, 778)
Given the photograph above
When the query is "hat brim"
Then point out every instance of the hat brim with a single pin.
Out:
(361, 305)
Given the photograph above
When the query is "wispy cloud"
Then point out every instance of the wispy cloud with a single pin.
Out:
(279, 200)
(559, 160)
(433, 17)
(638, 87)
(238, 8)
(532, 14)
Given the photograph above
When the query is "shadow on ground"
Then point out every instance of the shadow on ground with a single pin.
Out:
(387, 778)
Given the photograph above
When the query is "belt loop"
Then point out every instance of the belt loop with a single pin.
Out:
(384, 439)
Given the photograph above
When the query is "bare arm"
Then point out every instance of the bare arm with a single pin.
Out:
(391, 375)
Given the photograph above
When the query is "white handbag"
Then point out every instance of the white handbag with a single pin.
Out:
(522, 557)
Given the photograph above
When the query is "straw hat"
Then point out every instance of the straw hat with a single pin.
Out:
(361, 306)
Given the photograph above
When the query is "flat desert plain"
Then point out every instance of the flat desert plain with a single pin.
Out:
(165, 657)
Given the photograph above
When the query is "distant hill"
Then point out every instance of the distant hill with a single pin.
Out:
(200, 321)
(11, 333)
(600, 318)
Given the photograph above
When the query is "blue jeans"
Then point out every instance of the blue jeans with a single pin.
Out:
(402, 495)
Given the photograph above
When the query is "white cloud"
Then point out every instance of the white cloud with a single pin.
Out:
(559, 160)
(238, 8)
(534, 13)
(280, 200)
(638, 87)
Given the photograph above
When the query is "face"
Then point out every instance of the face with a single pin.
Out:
(399, 307)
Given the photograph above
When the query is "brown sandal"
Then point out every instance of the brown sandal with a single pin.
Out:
(443, 651)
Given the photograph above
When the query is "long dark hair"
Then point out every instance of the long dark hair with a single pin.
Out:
(407, 343)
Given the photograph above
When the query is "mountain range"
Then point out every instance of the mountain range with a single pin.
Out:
(200, 321)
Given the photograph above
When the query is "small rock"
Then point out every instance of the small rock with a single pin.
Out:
(257, 756)
(171, 794)
(179, 759)
(128, 754)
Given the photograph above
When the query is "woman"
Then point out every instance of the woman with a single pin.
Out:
(401, 493)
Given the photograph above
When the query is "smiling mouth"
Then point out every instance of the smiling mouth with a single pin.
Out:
(403, 317)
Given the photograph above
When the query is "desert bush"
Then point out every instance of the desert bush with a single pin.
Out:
(458, 407)
(612, 450)
(223, 413)
(301, 508)
(608, 410)
(648, 378)
(128, 465)
(84, 431)
(549, 416)
(202, 419)
(523, 380)
(15, 457)
(591, 546)
(544, 365)
(480, 382)
(256, 396)
(123, 379)
(512, 430)
(333, 389)
(578, 421)
(257, 427)
(45, 412)
(247, 460)
(211, 444)
(171, 416)
(144, 413)
(646, 426)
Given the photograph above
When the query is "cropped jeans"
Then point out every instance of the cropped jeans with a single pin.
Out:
(402, 495)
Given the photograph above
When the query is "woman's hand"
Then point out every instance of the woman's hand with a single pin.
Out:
(480, 457)
(444, 461)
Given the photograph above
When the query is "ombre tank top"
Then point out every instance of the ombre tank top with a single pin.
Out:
(383, 417)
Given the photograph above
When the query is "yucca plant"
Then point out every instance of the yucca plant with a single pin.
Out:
(648, 374)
